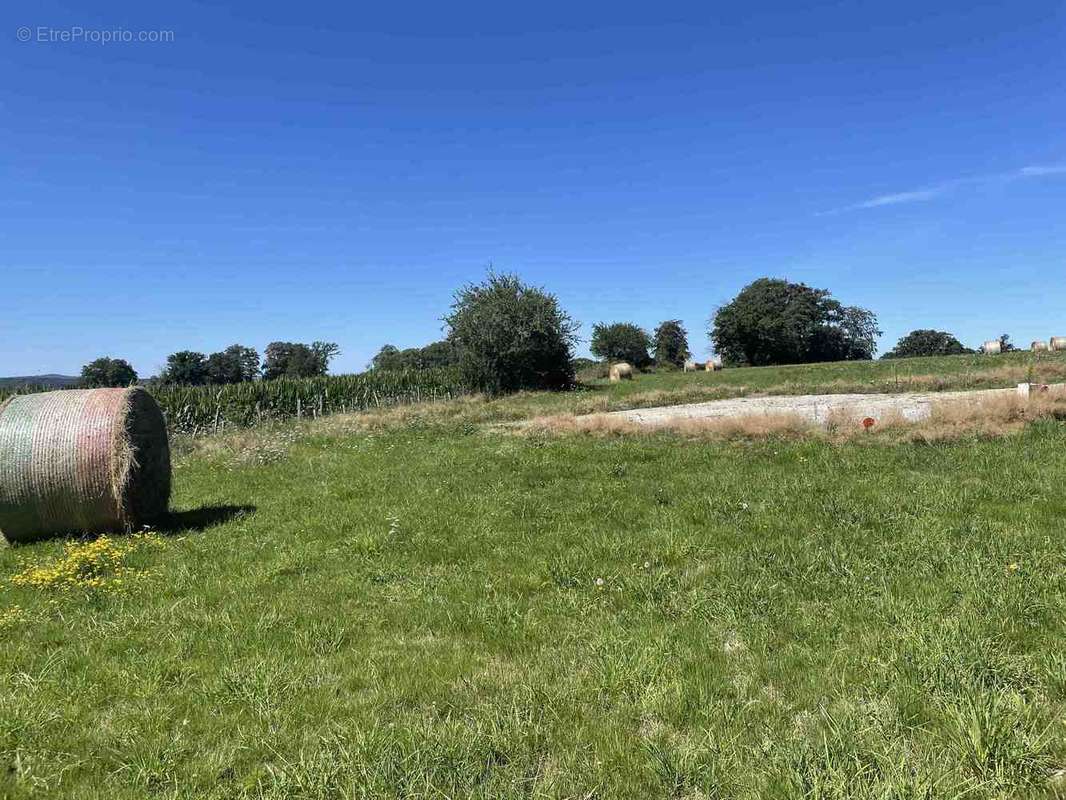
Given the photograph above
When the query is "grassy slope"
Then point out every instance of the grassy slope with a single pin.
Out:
(912, 374)
(673, 387)
(416, 612)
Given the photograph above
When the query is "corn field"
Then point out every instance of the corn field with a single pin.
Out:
(198, 409)
(201, 409)
(24, 388)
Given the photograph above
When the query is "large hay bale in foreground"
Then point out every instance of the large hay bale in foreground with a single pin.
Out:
(81, 460)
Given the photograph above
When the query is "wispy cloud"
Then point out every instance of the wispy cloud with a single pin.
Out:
(902, 197)
(1039, 171)
(940, 189)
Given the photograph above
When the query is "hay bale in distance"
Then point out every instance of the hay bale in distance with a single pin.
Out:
(621, 371)
(81, 461)
(992, 347)
(1039, 347)
(1057, 343)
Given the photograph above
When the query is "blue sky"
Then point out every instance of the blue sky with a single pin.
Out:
(316, 171)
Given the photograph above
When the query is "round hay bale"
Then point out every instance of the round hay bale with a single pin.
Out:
(1040, 347)
(81, 460)
(1057, 343)
(992, 347)
(621, 372)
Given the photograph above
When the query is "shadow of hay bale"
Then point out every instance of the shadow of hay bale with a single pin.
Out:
(174, 523)
(200, 519)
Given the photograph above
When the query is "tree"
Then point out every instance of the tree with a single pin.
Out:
(432, 356)
(235, 364)
(927, 342)
(773, 321)
(849, 334)
(108, 372)
(294, 360)
(621, 341)
(186, 367)
(671, 343)
(437, 355)
(510, 336)
(325, 352)
(388, 357)
(1005, 345)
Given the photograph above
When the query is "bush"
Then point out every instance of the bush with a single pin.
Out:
(773, 321)
(671, 344)
(510, 336)
(621, 341)
(108, 372)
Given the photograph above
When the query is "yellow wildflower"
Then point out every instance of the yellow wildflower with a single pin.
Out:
(86, 565)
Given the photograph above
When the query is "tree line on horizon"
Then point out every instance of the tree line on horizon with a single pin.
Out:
(235, 364)
(504, 335)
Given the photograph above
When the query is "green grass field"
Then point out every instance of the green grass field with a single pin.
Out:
(429, 607)
(912, 374)
(944, 373)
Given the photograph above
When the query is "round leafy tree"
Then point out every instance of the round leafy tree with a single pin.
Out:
(671, 343)
(621, 341)
(510, 336)
(108, 372)
(296, 360)
(186, 367)
(235, 364)
(926, 342)
(773, 321)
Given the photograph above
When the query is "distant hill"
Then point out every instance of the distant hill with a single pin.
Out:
(51, 381)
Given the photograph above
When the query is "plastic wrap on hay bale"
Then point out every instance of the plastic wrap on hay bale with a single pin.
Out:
(81, 461)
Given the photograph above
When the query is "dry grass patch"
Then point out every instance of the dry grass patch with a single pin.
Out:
(1045, 371)
(716, 428)
(265, 444)
(988, 418)
(272, 441)
(471, 409)
(693, 394)
(948, 420)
